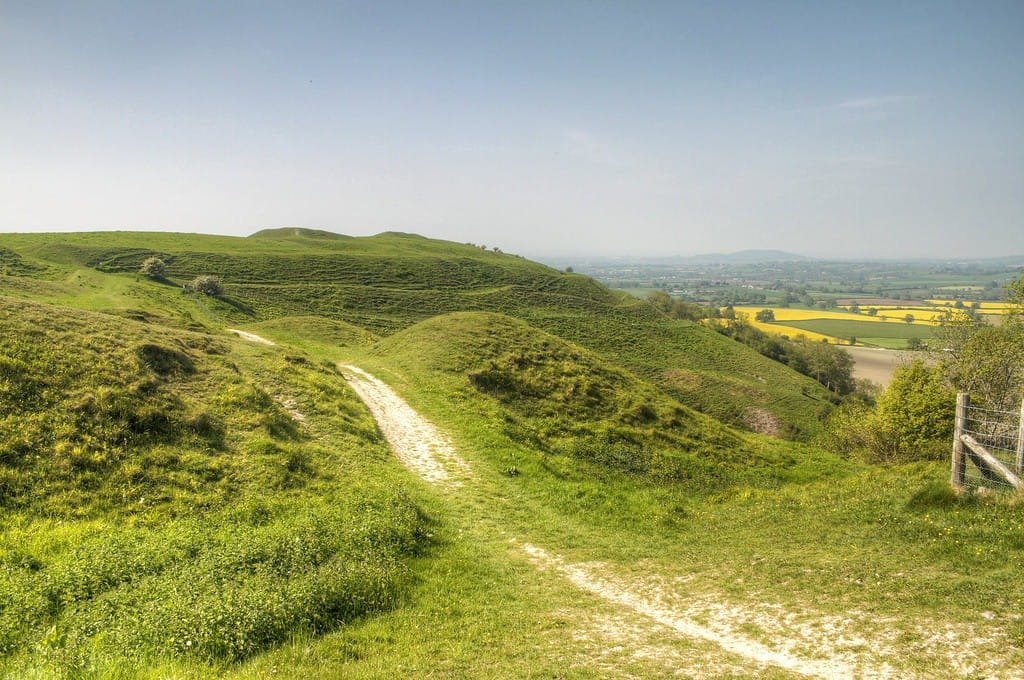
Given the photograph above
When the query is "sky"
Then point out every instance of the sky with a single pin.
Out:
(839, 129)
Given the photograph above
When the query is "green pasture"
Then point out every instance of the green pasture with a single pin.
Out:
(866, 331)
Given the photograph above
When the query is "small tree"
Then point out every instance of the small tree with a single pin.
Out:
(916, 412)
(153, 267)
(208, 284)
(829, 365)
(985, 360)
(909, 318)
(872, 311)
(765, 316)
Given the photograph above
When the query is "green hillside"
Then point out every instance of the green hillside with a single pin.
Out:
(178, 501)
(568, 403)
(160, 496)
(674, 504)
(391, 281)
(313, 333)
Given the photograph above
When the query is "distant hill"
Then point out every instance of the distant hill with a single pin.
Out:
(748, 257)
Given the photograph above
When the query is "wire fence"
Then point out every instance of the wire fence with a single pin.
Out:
(988, 446)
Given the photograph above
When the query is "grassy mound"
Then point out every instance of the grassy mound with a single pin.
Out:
(169, 493)
(561, 400)
(697, 366)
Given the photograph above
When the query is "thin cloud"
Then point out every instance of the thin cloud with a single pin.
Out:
(874, 103)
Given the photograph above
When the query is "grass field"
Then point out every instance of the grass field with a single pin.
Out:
(161, 497)
(791, 331)
(818, 539)
(846, 328)
(178, 502)
(640, 293)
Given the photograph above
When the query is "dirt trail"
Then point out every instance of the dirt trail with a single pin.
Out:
(589, 579)
(251, 337)
(416, 442)
(807, 643)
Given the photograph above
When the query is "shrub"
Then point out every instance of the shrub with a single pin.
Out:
(852, 431)
(208, 284)
(153, 267)
(913, 420)
(917, 409)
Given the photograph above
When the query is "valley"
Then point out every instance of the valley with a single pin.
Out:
(879, 303)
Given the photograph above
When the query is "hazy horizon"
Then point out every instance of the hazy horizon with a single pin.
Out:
(882, 130)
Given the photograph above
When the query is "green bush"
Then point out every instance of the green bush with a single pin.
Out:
(913, 420)
(917, 409)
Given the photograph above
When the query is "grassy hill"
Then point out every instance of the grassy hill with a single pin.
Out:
(567, 455)
(179, 502)
(389, 282)
(568, 403)
(161, 495)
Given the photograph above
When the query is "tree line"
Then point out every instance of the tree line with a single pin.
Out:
(826, 363)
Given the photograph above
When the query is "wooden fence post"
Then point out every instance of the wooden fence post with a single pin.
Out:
(1020, 440)
(957, 476)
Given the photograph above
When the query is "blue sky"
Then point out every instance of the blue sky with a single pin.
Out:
(547, 128)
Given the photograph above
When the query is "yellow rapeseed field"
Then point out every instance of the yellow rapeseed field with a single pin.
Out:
(789, 331)
(793, 333)
(791, 314)
(890, 308)
(987, 307)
